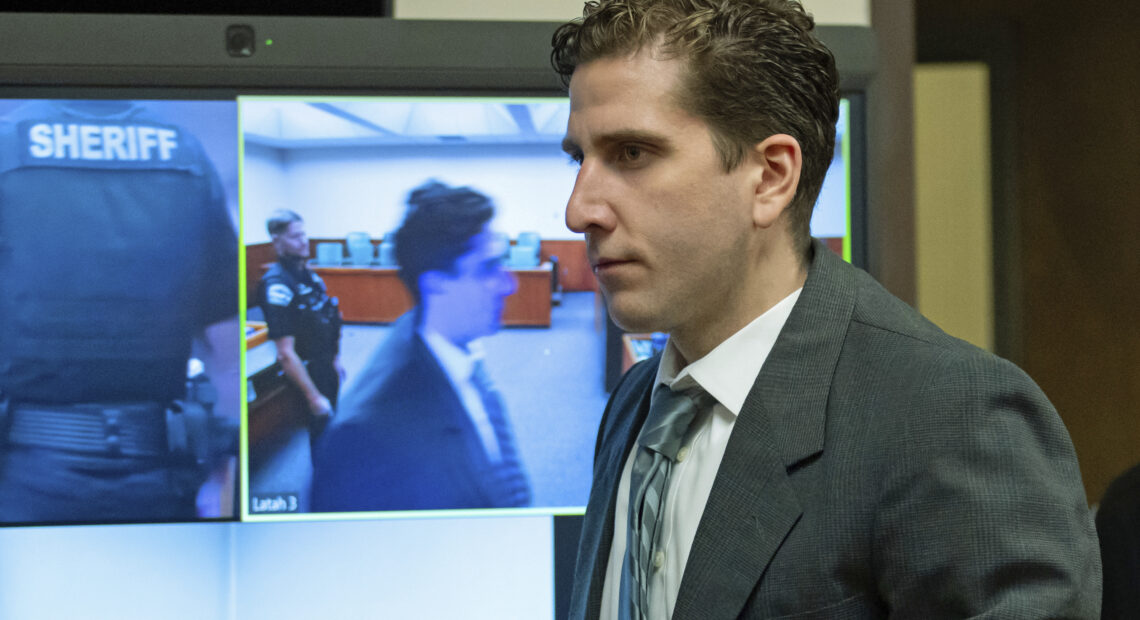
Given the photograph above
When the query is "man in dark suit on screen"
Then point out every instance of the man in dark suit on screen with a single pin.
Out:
(807, 445)
(422, 428)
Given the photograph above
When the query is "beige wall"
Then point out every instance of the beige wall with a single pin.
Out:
(846, 12)
(953, 229)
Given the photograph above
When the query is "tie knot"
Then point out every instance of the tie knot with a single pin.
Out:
(479, 376)
(670, 415)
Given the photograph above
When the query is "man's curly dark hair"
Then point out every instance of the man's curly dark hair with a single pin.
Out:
(754, 69)
(438, 228)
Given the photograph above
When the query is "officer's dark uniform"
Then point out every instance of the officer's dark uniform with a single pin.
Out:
(116, 248)
(296, 303)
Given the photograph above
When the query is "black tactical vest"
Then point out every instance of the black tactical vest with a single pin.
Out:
(107, 223)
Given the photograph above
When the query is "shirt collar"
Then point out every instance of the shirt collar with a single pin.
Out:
(729, 370)
(457, 362)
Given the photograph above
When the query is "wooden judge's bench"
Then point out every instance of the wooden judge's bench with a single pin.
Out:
(372, 294)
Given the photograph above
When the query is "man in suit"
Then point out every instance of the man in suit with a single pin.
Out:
(423, 428)
(842, 457)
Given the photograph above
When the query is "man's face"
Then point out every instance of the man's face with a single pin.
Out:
(468, 302)
(667, 229)
(293, 242)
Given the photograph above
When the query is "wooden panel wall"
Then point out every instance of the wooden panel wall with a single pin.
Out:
(574, 271)
(256, 255)
(1074, 214)
(890, 150)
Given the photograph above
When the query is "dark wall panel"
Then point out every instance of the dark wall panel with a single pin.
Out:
(1071, 138)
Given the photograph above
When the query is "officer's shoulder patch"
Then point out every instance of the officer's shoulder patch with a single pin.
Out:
(278, 294)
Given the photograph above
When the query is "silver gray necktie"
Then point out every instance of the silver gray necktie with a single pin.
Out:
(670, 415)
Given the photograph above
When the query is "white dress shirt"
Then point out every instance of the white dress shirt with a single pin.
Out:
(459, 365)
(727, 374)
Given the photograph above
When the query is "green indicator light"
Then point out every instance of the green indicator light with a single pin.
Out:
(268, 42)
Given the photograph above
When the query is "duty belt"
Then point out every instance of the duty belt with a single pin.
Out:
(134, 429)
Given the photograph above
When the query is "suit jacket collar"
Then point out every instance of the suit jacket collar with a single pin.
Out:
(794, 384)
(624, 416)
(752, 506)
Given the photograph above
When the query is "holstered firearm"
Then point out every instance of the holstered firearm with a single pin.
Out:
(327, 326)
(194, 434)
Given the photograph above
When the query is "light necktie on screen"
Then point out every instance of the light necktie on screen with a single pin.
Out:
(509, 471)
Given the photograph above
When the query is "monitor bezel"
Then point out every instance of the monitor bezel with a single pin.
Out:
(309, 54)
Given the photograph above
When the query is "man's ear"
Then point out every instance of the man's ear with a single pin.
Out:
(776, 164)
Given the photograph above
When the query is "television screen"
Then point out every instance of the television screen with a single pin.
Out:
(340, 130)
(347, 166)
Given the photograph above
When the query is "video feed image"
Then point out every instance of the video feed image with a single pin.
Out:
(831, 217)
(422, 330)
(119, 355)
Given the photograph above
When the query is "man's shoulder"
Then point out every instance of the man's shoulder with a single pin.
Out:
(399, 373)
(275, 273)
(889, 321)
(277, 287)
(838, 293)
(886, 336)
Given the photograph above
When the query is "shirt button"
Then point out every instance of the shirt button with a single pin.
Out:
(658, 560)
(682, 453)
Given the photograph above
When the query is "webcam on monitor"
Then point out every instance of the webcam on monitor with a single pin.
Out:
(239, 40)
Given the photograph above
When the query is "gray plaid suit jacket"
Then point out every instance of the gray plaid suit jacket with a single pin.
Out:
(879, 468)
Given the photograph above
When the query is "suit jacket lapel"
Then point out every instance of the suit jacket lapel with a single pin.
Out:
(752, 506)
(450, 417)
(625, 413)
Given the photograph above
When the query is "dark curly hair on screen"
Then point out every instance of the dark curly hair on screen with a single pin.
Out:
(437, 229)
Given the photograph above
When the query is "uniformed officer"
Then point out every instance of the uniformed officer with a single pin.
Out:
(116, 251)
(303, 321)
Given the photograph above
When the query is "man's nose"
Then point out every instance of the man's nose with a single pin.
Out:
(588, 208)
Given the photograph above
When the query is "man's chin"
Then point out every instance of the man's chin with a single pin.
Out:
(630, 317)
(490, 331)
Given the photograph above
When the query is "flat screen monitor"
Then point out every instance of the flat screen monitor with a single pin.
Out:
(337, 120)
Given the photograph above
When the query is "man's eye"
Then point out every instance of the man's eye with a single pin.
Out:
(631, 153)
